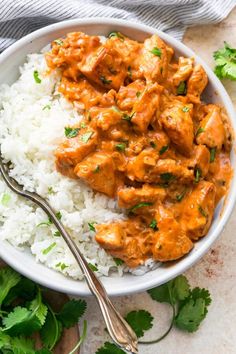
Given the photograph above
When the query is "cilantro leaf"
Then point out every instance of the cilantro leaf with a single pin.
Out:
(86, 136)
(140, 321)
(201, 293)
(4, 340)
(156, 51)
(140, 205)
(71, 312)
(191, 315)
(171, 292)
(25, 289)
(5, 199)
(161, 293)
(109, 348)
(118, 261)
(25, 321)
(14, 323)
(8, 279)
(21, 345)
(93, 267)
(36, 77)
(38, 308)
(225, 61)
(43, 351)
(51, 331)
(71, 132)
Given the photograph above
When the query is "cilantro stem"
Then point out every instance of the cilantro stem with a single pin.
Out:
(165, 333)
(82, 338)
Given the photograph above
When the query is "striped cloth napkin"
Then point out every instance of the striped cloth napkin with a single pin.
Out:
(20, 17)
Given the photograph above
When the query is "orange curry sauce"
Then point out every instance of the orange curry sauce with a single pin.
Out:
(146, 139)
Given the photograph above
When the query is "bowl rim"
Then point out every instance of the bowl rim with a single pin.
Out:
(191, 258)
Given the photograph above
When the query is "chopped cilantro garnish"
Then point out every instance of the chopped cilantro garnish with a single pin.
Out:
(202, 211)
(138, 93)
(197, 175)
(91, 226)
(153, 224)
(129, 71)
(182, 89)
(104, 80)
(163, 149)
(153, 145)
(58, 41)
(128, 117)
(50, 190)
(93, 267)
(156, 51)
(180, 196)
(199, 131)
(121, 146)
(167, 177)
(36, 77)
(185, 109)
(61, 265)
(140, 205)
(118, 261)
(86, 136)
(212, 154)
(83, 125)
(97, 169)
(58, 215)
(116, 34)
(57, 233)
(49, 248)
(47, 107)
(71, 132)
(5, 199)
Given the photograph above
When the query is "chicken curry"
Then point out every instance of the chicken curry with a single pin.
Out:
(146, 139)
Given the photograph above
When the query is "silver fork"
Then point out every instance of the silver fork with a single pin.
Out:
(119, 330)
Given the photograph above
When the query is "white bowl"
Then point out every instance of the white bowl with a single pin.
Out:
(24, 262)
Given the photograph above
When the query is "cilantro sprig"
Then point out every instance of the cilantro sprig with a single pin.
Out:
(24, 311)
(225, 62)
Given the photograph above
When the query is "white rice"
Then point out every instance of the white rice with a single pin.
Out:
(32, 121)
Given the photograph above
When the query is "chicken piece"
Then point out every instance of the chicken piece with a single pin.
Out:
(228, 131)
(130, 197)
(139, 167)
(198, 209)
(105, 118)
(98, 171)
(185, 68)
(127, 95)
(211, 128)
(145, 107)
(220, 173)
(130, 51)
(106, 67)
(158, 140)
(178, 124)
(71, 151)
(196, 84)
(136, 246)
(169, 241)
(71, 53)
(168, 170)
(200, 159)
(154, 59)
(110, 236)
(82, 92)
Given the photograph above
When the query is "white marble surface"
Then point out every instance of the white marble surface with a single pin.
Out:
(216, 271)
